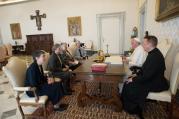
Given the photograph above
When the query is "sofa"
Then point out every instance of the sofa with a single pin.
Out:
(5, 53)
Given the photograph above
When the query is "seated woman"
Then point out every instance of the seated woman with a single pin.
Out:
(44, 86)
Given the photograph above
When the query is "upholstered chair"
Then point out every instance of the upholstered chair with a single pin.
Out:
(15, 70)
(88, 45)
(9, 49)
(164, 46)
(169, 95)
(3, 53)
(72, 49)
(47, 56)
(169, 59)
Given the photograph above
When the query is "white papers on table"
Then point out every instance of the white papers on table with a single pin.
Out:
(114, 60)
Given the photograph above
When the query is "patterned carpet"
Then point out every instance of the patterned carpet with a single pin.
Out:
(96, 110)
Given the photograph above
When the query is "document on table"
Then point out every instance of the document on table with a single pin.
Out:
(114, 60)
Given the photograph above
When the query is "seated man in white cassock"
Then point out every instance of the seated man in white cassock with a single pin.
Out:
(139, 55)
(136, 59)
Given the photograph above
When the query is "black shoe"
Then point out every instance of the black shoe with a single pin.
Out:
(63, 105)
(68, 93)
(60, 109)
(140, 116)
(70, 90)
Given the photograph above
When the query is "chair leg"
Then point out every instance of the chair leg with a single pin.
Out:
(170, 111)
(171, 108)
(21, 111)
(45, 111)
(20, 108)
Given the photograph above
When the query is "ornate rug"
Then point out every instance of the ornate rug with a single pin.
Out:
(96, 110)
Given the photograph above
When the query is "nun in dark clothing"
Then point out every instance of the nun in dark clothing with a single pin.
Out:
(150, 79)
(44, 86)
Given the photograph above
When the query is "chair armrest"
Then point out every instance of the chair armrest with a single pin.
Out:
(22, 89)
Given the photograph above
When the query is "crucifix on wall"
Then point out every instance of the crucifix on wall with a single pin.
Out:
(38, 19)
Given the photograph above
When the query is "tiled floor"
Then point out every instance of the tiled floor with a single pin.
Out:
(8, 106)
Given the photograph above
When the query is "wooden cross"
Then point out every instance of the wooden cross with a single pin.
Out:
(38, 19)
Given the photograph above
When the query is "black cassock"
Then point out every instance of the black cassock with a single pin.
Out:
(151, 79)
(35, 78)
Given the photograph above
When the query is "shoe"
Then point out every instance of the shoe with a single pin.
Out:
(140, 116)
(63, 105)
(70, 90)
(68, 93)
(60, 109)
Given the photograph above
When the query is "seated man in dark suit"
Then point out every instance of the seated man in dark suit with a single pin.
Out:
(59, 69)
(44, 85)
(150, 79)
(68, 58)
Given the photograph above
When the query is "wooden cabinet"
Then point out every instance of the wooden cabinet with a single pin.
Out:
(39, 42)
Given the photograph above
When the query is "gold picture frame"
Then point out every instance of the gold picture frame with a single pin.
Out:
(74, 26)
(166, 9)
(16, 31)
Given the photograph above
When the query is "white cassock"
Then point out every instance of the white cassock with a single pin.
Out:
(138, 57)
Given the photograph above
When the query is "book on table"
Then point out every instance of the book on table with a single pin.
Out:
(99, 67)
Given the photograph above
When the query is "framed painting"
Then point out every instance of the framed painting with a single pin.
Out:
(16, 31)
(166, 9)
(74, 26)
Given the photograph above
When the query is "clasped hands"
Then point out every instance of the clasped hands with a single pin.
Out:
(50, 80)
(130, 78)
(66, 68)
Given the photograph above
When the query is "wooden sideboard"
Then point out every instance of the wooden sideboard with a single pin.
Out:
(39, 42)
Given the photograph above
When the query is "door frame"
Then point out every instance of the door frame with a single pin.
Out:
(99, 27)
(143, 20)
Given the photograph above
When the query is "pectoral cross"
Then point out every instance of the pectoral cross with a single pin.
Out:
(38, 19)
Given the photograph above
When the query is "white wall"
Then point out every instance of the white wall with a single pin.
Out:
(163, 30)
(57, 12)
(0, 38)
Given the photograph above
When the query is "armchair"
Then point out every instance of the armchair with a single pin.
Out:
(169, 96)
(72, 49)
(16, 78)
(88, 45)
(9, 49)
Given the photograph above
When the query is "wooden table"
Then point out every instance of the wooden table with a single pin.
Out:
(113, 75)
